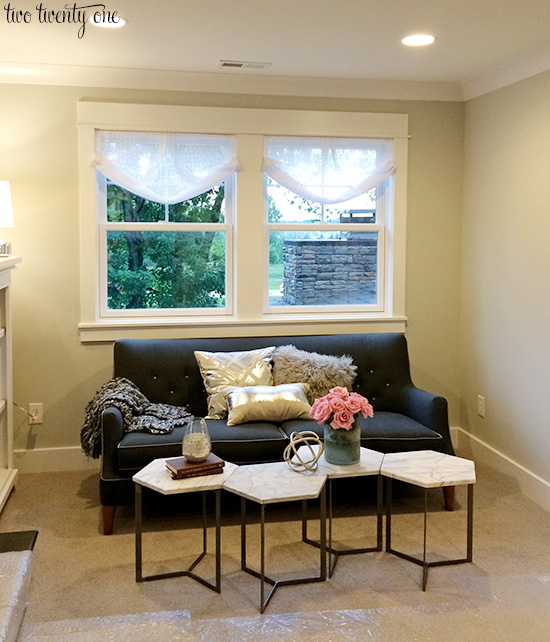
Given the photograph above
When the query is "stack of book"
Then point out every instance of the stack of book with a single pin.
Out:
(182, 468)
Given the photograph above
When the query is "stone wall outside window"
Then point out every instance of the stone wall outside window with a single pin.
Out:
(330, 272)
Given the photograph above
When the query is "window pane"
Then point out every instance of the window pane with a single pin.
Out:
(123, 206)
(323, 268)
(148, 270)
(286, 207)
(206, 208)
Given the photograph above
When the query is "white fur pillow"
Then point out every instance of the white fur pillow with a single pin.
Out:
(321, 371)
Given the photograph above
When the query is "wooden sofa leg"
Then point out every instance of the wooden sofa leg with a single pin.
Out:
(108, 519)
(449, 497)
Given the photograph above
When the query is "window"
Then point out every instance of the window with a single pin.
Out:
(192, 219)
(175, 269)
(161, 255)
(326, 216)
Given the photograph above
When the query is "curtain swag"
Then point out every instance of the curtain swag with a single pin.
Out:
(328, 171)
(165, 168)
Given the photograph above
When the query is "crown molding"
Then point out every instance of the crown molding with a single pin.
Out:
(224, 82)
(535, 62)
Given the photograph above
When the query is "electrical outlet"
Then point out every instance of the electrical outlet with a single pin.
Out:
(481, 406)
(36, 413)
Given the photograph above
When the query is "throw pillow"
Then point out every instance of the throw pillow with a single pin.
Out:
(267, 403)
(221, 369)
(321, 371)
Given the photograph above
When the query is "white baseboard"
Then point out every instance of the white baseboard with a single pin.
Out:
(49, 460)
(531, 485)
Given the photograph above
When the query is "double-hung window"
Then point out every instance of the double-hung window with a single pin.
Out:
(165, 212)
(196, 221)
(327, 205)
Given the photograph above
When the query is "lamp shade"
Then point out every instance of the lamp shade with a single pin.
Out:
(6, 210)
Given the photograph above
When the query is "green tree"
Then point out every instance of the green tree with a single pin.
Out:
(165, 269)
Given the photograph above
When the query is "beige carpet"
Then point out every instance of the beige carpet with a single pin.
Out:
(503, 595)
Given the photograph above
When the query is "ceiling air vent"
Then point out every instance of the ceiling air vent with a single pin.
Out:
(240, 64)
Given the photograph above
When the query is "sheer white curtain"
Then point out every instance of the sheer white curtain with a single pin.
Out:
(327, 170)
(165, 168)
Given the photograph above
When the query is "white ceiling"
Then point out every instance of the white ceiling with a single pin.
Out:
(356, 42)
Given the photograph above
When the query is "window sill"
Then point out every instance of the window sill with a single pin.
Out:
(110, 330)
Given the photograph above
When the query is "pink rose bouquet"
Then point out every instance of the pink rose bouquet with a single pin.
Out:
(342, 406)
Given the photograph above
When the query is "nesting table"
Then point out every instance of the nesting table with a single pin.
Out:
(269, 484)
(429, 469)
(156, 477)
(368, 465)
(276, 482)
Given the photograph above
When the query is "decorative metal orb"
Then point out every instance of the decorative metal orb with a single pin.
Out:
(311, 448)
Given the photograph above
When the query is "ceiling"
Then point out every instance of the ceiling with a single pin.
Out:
(353, 41)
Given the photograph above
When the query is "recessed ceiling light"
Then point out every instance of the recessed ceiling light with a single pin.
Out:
(418, 40)
(107, 22)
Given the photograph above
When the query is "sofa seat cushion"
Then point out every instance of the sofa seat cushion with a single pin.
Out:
(386, 432)
(137, 449)
(245, 443)
(250, 443)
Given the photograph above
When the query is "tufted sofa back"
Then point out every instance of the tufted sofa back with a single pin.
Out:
(166, 371)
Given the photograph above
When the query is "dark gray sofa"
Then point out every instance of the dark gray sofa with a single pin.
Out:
(165, 370)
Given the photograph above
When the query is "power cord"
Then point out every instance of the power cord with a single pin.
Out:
(32, 415)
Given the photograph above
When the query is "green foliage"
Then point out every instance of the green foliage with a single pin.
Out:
(165, 269)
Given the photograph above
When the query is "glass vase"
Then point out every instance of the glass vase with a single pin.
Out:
(196, 444)
(343, 447)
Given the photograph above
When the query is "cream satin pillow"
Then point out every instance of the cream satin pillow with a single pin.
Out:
(267, 403)
(222, 369)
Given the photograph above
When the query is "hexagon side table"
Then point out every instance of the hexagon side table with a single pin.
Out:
(269, 484)
(429, 469)
(156, 477)
(369, 464)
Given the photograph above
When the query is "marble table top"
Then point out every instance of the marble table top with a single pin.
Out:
(157, 477)
(428, 469)
(369, 464)
(274, 482)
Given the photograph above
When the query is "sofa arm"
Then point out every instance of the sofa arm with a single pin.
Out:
(428, 409)
(112, 431)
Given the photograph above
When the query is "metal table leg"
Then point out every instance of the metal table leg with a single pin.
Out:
(423, 562)
(216, 586)
(334, 553)
(261, 575)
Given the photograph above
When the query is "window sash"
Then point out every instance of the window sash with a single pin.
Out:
(163, 226)
(384, 200)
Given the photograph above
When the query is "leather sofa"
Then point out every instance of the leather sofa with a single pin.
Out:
(166, 371)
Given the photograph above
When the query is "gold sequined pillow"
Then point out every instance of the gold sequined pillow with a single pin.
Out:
(222, 369)
(267, 403)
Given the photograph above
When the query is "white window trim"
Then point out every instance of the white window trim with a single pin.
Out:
(250, 125)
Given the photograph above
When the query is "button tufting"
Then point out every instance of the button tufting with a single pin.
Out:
(171, 392)
(372, 371)
(387, 384)
(155, 377)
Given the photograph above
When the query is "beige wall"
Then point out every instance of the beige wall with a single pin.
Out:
(505, 338)
(38, 154)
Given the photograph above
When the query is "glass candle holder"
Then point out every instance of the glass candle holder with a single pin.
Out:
(196, 444)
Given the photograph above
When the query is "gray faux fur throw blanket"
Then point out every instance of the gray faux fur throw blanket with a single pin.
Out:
(138, 412)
